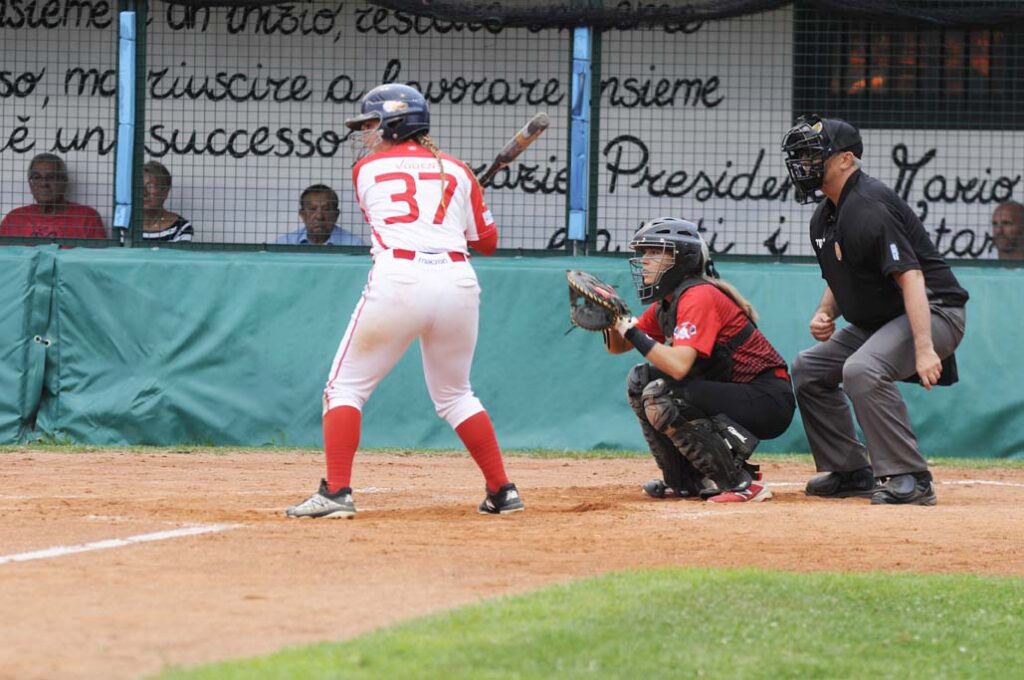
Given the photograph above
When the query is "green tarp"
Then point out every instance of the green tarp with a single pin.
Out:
(26, 279)
(176, 347)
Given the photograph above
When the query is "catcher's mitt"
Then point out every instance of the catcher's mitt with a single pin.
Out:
(593, 304)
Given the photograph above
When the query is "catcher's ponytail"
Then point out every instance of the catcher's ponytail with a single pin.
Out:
(736, 297)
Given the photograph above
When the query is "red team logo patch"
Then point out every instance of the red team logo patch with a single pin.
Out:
(685, 330)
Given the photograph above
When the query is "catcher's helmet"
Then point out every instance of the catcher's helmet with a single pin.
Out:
(811, 142)
(680, 238)
(401, 110)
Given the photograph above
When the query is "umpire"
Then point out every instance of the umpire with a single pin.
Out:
(906, 316)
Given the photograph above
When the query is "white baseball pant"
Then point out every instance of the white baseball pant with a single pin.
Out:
(408, 295)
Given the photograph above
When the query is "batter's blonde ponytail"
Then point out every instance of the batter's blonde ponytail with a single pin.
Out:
(425, 140)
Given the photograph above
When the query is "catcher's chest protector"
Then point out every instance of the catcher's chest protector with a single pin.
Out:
(718, 366)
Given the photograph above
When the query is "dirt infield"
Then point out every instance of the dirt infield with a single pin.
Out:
(259, 582)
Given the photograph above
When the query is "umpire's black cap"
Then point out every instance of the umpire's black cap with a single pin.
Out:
(844, 137)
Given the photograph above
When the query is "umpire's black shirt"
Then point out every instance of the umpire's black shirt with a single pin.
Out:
(863, 241)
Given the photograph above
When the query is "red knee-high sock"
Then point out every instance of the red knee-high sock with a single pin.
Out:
(477, 433)
(341, 439)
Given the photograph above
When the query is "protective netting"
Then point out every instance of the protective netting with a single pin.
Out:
(242, 107)
(246, 108)
(690, 124)
(628, 14)
(619, 15)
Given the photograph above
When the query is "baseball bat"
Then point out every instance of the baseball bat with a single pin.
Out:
(515, 146)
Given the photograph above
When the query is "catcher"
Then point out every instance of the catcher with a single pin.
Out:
(712, 385)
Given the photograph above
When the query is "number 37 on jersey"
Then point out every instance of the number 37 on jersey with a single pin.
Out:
(410, 203)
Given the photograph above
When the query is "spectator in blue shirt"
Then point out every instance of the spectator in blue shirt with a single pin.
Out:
(318, 208)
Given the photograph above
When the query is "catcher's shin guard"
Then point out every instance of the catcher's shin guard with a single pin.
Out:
(677, 472)
(738, 438)
(697, 439)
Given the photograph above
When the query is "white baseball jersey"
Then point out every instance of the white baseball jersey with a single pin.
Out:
(409, 207)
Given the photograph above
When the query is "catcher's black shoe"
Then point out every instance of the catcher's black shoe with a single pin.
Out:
(657, 488)
(843, 484)
(909, 489)
(506, 500)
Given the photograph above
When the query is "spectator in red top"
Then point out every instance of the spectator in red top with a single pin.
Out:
(52, 215)
(712, 386)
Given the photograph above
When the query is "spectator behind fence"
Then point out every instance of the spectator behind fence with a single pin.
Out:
(318, 208)
(52, 215)
(159, 224)
(1008, 230)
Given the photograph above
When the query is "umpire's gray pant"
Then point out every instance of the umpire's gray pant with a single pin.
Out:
(867, 365)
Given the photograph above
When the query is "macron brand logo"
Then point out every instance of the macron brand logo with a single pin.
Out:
(895, 252)
(820, 242)
(685, 330)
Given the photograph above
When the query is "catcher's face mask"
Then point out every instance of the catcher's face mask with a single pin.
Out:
(653, 260)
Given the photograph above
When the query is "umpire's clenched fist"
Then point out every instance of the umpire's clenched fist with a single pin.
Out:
(822, 326)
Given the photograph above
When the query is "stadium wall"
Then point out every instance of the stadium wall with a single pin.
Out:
(167, 347)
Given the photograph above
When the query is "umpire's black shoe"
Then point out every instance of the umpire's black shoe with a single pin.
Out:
(843, 484)
(909, 489)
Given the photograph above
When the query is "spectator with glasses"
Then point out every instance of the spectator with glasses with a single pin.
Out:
(158, 223)
(52, 215)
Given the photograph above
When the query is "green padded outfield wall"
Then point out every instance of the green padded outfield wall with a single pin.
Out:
(26, 279)
(176, 347)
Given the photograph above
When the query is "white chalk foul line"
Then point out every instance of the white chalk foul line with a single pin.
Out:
(62, 550)
(983, 481)
(989, 482)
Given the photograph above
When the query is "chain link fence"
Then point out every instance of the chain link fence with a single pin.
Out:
(241, 111)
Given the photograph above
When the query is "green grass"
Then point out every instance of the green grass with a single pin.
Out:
(977, 463)
(691, 623)
(51, 446)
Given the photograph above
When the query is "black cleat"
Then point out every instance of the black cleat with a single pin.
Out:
(908, 489)
(843, 484)
(656, 488)
(506, 500)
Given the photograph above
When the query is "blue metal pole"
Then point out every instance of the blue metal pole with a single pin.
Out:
(125, 122)
(579, 135)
